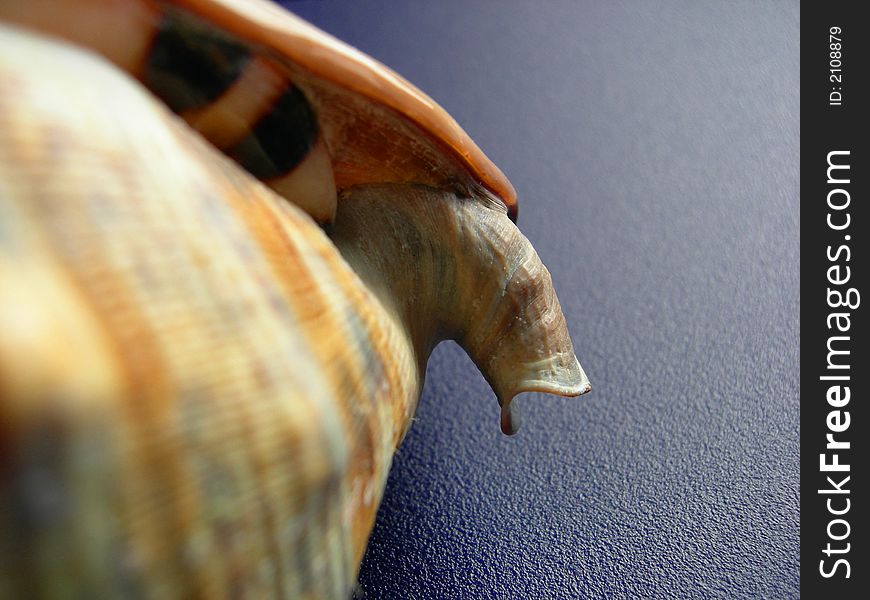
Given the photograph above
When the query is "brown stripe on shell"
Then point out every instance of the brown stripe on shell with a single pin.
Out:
(377, 127)
(232, 123)
(324, 57)
(227, 120)
(243, 102)
(280, 138)
(190, 62)
(207, 74)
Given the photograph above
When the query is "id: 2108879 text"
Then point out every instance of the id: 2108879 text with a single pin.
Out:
(835, 65)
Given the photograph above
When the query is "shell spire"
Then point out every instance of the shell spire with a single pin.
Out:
(476, 279)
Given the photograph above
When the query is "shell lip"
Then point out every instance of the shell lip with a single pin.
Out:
(325, 56)
(510, 419)
(548, 387)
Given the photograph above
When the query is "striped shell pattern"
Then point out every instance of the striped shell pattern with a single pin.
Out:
(228, 245)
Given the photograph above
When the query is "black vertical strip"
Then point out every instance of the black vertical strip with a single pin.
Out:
(835, 224)
(280, 139)
(191, 62)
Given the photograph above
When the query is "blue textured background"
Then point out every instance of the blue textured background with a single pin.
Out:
(654, 147)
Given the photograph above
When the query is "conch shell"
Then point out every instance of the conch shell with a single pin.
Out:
(202, 388)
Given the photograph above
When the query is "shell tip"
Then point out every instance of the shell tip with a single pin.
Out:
(510, 418)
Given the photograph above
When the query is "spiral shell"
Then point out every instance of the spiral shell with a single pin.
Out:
(200, 390)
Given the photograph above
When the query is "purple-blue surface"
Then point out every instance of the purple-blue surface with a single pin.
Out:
(654, 146)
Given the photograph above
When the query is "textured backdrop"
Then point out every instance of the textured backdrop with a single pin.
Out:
(654, 147)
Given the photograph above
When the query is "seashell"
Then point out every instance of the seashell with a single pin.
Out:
(202, 388)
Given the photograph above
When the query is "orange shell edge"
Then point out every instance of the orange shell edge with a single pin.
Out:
(333, 60)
